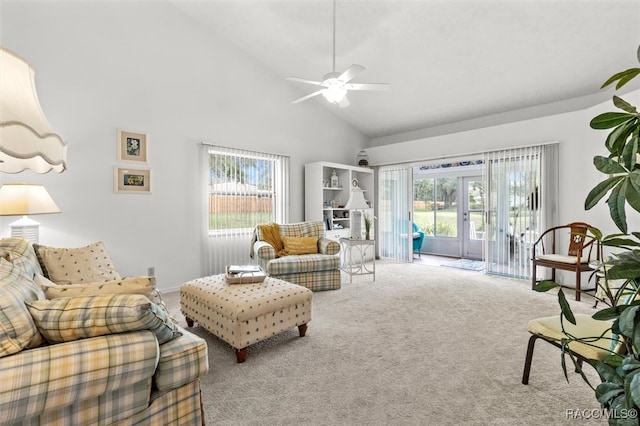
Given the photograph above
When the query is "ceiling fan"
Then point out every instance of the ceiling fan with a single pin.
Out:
(334, 84)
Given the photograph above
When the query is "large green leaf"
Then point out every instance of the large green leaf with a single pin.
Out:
(629, 153)
(609, 313)
(620, 242)
(608, 120)
(606, 392)
(626, 266)
(616, 204)
(625, 75)
(632, 389)
(546, 285)
(625, 79)
(618, 412)
(608, 165)
(608, 373)
(617, 138)
(632, 193)
(600, 190)
(624, 105)
(627, 321)
(565, 307)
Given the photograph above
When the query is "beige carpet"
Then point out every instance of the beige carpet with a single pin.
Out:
(423, 345)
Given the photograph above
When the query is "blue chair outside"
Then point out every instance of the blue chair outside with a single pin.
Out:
(418, 236)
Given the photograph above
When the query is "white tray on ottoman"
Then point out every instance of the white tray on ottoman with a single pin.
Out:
(243, 314)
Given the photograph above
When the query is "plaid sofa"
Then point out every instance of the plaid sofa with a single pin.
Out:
(317, 272)
(122, 378)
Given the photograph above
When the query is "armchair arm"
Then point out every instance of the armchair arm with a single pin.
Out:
(328, 246)
(264, 250)
(100, 364)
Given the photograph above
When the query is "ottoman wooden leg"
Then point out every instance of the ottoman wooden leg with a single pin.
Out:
(302, 329)
(241, 355)
(189, 321)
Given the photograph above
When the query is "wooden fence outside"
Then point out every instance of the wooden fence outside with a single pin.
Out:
(239, 203)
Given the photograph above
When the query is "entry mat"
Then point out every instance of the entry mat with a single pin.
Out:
(468, 264)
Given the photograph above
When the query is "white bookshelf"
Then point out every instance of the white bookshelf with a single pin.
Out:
(322, 202)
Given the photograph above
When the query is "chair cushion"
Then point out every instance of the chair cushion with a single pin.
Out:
(303, 263)
(559, 258)
(551, 329)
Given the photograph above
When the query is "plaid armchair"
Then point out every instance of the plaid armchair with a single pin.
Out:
(318, 271)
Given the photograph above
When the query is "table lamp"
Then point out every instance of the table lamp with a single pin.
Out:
(355, 205)
(25, 199)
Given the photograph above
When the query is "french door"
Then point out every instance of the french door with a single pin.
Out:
(472, 206)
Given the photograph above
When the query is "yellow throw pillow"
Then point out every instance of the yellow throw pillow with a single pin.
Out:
(301, 245)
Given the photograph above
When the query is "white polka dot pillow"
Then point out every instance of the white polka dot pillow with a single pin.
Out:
(72, 318)
(88, 264)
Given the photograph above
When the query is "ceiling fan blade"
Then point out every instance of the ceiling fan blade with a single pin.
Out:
(344, 103)
(311, 95)
(304, 80)
(368, 86)
(351, 72)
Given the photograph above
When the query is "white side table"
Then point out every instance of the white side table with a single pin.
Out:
(357, 266)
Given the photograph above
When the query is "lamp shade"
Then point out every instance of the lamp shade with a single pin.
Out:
(356, 200)
(26, 138)
(25, 199)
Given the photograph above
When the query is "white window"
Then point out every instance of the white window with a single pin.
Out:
(242, 189)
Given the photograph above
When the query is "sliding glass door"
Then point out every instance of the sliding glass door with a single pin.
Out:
(521, 186)
(395, 213)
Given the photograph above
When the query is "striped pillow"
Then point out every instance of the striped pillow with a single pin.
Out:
(300, 245)
(72, 318)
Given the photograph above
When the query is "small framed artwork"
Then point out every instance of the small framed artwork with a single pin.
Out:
(132, 180)
(132, 146)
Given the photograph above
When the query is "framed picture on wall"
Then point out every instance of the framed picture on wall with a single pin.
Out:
(132, 180)
(132, 146)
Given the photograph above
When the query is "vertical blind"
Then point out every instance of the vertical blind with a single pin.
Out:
(394, 211)
(521, 203)
(241, 189)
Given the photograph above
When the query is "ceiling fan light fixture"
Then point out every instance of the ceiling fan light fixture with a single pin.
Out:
(335, 92)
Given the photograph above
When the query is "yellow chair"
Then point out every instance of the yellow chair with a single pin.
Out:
(577, 257)
(598, 339)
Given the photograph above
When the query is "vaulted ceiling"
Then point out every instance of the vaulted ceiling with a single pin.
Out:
(446, 60)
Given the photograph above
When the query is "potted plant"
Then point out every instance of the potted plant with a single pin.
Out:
(368, 220)
(619, 391)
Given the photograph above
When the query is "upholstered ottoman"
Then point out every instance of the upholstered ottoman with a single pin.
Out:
(243, 314)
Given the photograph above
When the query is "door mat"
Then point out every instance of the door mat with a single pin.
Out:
(468, 264)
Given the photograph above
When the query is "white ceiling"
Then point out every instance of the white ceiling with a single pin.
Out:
(446, 60)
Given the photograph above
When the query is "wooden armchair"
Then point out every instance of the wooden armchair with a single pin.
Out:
(577, 257)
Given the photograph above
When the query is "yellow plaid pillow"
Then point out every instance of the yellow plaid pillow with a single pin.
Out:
(300, 245)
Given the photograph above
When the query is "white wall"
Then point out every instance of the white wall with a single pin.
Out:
(142, 66)
(578, 145)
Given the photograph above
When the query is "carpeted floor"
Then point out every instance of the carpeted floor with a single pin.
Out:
(423, 345)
